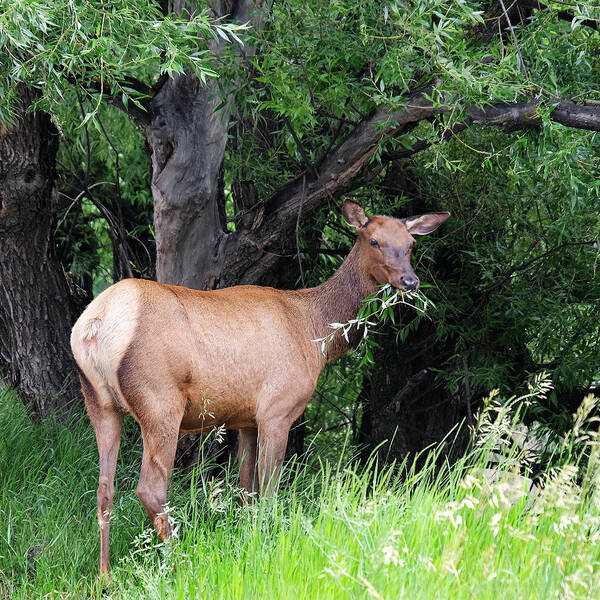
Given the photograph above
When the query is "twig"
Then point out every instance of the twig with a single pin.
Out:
(424, 144)
(107, 214)
(514, 37)
(334, 405)
(309, 166)
(77, 198)
(376, 305)
(485, 294)
(298, 231)
(467, 389)
(87, 138)
(527, 264)
(123, 250)
(341, 120)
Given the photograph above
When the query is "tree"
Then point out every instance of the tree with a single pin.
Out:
(36, 316)
(325, 99)
(389, 102)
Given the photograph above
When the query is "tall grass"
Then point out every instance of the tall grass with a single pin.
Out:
(468, 530)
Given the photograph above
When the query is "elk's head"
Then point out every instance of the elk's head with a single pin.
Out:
(386, 243)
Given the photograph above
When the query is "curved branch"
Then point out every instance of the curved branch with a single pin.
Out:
(249, 254)
(341, 166)
(573, 115)
(337, 169)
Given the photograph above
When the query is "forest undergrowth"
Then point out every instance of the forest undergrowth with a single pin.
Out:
(517, 517)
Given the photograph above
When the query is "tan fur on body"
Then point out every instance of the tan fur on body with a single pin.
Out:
(178, 359)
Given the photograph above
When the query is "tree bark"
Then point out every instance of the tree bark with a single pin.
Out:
(35, 312)
(187, 138)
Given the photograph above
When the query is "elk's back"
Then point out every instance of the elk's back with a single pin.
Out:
(227, 354)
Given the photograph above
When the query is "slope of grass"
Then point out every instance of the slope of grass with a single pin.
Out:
(333, 532)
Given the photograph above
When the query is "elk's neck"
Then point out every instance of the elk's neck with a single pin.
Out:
(338, 300)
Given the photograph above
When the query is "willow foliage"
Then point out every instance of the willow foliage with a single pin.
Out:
(107, 46)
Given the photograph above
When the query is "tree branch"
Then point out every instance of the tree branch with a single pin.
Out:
(340, 170)
(424, 144)
(337, 170)
(521, 62)
(142, 116)
(309, 166)
(523, 115)
(497, 19)
(563, 15)
(580, 117)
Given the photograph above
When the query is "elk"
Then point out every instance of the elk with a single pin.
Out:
(183, 360)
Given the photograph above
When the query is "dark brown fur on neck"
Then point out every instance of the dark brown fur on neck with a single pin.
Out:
(338, 300)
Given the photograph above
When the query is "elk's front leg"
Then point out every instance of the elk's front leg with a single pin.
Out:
(272, 441)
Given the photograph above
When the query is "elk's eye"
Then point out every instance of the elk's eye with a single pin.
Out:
(374, 243)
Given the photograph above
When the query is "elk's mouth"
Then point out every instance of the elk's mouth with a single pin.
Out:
(411, 286)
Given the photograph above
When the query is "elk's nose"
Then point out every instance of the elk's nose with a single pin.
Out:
(410, 282)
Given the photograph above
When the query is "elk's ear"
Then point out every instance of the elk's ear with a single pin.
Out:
(354, 214)
(424, 224)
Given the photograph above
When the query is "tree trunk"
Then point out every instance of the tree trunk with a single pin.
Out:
(406, 404)
(35, 312)
(187, 137)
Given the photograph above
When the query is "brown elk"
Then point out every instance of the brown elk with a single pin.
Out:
(178, 359)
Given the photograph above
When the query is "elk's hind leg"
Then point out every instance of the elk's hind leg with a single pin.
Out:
(272, 441)
(247, 459)
(107, 423)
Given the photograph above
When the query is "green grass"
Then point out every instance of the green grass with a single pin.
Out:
(333, 532)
